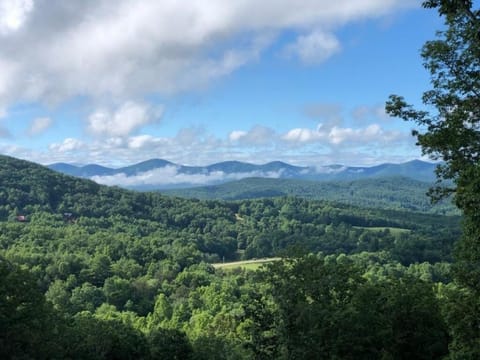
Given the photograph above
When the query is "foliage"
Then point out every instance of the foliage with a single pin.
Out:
(28, 326)
(451, 132)
(129, 275)
(394, 193)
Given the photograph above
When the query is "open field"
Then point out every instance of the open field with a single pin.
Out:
(393, 231)
(245, 264)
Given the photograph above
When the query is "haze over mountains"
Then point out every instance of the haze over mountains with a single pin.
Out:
(162, 174)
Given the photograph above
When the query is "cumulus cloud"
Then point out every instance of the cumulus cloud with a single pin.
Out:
(120, 150)
(314, 48)
(145, 142)
(369, 134)
(13, 14)
(338, 135)
(39, 125)
(303, 135)
(256, 136)
(299, 146)
(170, 175)
(257, 144)
(67, 145)
(126, 48)
(126, 119)
(237, 135)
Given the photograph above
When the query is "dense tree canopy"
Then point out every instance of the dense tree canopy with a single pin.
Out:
(450, 131)
(119, 274)
(94, 272)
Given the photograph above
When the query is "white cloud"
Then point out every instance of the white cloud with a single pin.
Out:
(256, 136)
(302, 135)
(125, 49)
(340, 135)
(315, 47)
(372, 133)
(301, 146)
(170, 175)
(68, 145)
(337, 135)
(320, 169)
(142, 141)
(13, 14)
(39, 125)
(236, 135)
(128, 118)
(331, 141)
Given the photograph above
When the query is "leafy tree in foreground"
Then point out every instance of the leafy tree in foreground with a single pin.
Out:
(28, 326)
(327, 310)
(451, 132)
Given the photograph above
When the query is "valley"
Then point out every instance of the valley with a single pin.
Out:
(143, 266)
(240, 180)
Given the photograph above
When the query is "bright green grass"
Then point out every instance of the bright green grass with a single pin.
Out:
(246, 264)
(393, 231)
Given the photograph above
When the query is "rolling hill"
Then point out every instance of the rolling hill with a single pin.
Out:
(384, 192)
(157, 174)
(106, 266)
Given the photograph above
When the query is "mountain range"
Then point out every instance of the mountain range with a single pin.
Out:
(162, 174)
(383, 192)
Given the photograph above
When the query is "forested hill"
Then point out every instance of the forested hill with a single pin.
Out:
(125, 275)
(26, 188)
(220, 229)
(400, 193)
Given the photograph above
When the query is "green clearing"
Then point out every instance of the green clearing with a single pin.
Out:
(393, 230)
(246, 264)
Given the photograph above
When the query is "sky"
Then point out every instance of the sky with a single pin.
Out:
(203, 81)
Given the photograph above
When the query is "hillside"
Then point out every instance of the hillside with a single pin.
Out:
(399, 193)
(123, 274)
(27, 189)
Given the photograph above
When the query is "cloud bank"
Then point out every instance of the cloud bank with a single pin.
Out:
(325, 144)
(124, 49)
(117, 56)
(170, 176)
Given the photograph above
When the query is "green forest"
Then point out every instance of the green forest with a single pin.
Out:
(90, 271)
(395, 192)
(95, 272)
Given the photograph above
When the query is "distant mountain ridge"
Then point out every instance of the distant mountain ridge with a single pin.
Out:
(162, 174)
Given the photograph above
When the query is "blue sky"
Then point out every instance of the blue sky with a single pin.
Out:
(198, 82)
